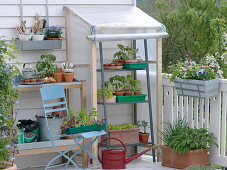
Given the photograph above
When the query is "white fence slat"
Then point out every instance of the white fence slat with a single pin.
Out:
(215, 122)
(201, 113)
(196, 113)
(207, 113)
(175, 113)
(190, 112)
(185, 115)
(168, 104)
(181, 111)
(223, 136)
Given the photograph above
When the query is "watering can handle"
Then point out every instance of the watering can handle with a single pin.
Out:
(124, 146)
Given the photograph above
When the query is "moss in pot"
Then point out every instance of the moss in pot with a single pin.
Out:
(143, 136)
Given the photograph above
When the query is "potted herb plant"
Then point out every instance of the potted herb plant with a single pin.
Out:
(9, 95)
(68, 69)
(117, 83)
(110, 98)
(126, 132)
(82, 122)
(137, 87)
(54, 32)
(185, 146)
(126, 54)
(143, 136)
(45, 67)
(59, 75)
(128, 85)
(196, 80)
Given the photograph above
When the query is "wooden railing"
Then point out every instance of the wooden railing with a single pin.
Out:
(200, 113)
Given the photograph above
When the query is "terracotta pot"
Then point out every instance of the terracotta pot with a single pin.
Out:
(69, 77)
(143, 137)
(118, 64)
(119, 61)
(27, 80)
(128, 93)
(59, 77)
(119, 93)
(40, 80)
(22, 80)
(137, 92)
(33, 80)
(60, 113)
(48, 75)
(106, 65)
(14, 167)
(53, 38)
(183, 160)
(108, 100)
(112, 65)
(131, 61)
(59, 70)
(127, 136)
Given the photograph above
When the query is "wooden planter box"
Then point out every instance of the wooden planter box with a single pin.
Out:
(197, 88)
(183, 160)
(127, 136)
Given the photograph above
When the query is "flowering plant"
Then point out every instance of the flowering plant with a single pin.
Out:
(54, 32)
(8, 97)
(191, 70)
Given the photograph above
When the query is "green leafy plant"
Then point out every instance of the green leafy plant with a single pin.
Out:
(126, 53)
(191, 70)
(54, 32)
(117, 82)
(200, 167)
(122, 126)
(144, 125)
(81, 118)
(108, 92)
(137, 85)
(8, 97)
(46, 66)
(196, 28)
(181, 138)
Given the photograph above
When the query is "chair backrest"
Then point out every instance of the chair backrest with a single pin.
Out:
(52, 92)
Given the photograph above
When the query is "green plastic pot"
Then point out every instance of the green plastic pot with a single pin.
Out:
(134, 65)
(133, 98)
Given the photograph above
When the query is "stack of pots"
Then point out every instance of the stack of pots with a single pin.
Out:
(66, 76)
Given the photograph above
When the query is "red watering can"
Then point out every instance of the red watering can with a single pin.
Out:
(116, 158)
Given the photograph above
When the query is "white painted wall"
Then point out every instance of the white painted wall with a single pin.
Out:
(9, 19)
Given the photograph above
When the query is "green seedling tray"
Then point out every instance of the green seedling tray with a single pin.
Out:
(83, 129)
(133, 98)
(33, 138)
(134, 65)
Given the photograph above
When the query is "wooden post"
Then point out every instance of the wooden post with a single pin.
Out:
(159, 92)
(93, 85)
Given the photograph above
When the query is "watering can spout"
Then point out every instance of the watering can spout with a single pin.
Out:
(136, 156)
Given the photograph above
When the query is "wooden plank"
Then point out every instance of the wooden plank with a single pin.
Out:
(159, 91)
(190, 112)
(215, 123)
(223, 136)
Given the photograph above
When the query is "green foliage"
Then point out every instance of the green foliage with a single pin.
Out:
(195, 28)
(125, 53)
(200, 167)
(117, 82)
(8, 96)
(183, 139)
(108, 92)
(144, 125)
(46, 66)
(54, 32)
(81, 118)
(122, 126)
(191, 70)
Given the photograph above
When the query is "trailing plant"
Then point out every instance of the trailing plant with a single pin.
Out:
(181, 138)
(126, 53)
(196, 28)
(46, 66)
(8, 97)
(108, 92)
(82, 118)
(144, 125)
(191, 70)
(54, 32)
(122, 126)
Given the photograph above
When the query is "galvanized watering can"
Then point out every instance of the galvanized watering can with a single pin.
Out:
(116, 158)
(27, 72)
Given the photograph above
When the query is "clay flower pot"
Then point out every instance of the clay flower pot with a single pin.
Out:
(59, 70)
(183, 160)
(112, 65)
(60, 113)
(27, 80)
(119, 93)
(14, 167)
(128, 93)
(69, 77)
(131, 61)
(40, 80)
(108, 100)
(118, 64)
(33, 80)
(137, 92)
(59, 77)
(53, 38)
(106, 65)
(119, 61)
(144, 137)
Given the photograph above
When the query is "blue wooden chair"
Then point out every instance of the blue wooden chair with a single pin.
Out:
(53, 92)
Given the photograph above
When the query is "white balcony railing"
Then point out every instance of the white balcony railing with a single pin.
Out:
(201, 113)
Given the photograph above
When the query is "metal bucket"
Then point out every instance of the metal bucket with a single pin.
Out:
(54, 125)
